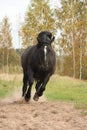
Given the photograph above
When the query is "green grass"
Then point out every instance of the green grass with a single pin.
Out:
(7, 87)
(67, 89)
(59, 88)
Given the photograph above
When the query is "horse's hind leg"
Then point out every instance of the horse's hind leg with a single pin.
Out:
(25, 80)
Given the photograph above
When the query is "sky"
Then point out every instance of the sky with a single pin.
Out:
(15, 11)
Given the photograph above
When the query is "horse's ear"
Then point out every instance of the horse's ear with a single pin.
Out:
(52, 39)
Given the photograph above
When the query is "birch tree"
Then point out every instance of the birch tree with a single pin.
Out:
(38, 17)
(6, 42)
(72, 23)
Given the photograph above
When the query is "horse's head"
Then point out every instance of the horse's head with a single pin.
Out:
(45, 38)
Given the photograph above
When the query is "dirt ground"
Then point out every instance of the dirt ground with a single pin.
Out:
(15, 114)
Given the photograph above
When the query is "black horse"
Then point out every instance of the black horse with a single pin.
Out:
(38, 62)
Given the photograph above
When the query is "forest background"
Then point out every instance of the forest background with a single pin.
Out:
(67, 22)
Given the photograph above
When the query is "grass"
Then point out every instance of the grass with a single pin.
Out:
(67, 89)
(59, 88)
(8, 86)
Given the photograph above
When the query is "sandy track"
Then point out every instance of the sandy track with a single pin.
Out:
(18, 115)
(43, 115)
(15, 114)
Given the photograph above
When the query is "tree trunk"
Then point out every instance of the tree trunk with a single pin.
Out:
(73, 41)
(3, 62)
(74, 62)
(80, 76)
(7, 61)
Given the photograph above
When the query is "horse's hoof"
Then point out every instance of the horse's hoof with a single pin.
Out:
(36, 97)
(27, 98)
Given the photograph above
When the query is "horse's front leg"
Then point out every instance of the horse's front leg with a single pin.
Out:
(38, 85)
(30, 81)
(41, 89)
(24, 88)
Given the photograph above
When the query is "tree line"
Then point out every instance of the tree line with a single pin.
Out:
(9, 58)
(70, 45)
